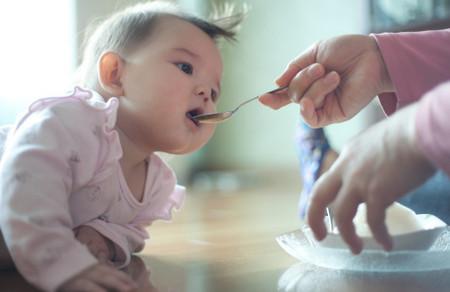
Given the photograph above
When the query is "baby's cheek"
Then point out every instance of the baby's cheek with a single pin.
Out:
(210, 129)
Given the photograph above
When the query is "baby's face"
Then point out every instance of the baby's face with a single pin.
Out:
(173, 75)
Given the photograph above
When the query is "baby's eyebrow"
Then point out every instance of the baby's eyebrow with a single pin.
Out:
(187, 51)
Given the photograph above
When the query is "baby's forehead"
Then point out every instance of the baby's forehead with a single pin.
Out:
(174, 32)
(178, 26)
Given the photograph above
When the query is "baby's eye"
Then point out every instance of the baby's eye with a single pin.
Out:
(214, 95)
(186, 68)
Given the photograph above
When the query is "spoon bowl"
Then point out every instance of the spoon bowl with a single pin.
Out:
(213, 118)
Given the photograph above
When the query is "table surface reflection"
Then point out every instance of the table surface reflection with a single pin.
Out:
(226, 242)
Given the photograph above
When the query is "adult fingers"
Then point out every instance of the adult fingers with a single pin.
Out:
(299, 84)
(345, 209)
(330, 112)
(305, 59)
(304, 79)
(308, 112)
(376, 215)
(323, 193)
(275, 101)
(320, 89)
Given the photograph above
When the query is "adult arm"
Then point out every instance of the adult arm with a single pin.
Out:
(433, 126)
(416, 63)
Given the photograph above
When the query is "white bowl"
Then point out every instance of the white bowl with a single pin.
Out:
(424, 250)
(418, 240)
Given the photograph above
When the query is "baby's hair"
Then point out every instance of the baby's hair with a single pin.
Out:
(124, 31)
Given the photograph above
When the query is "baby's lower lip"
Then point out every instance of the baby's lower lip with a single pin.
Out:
(193, 120)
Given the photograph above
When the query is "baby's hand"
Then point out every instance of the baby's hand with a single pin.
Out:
(99, 277)
(99, 246)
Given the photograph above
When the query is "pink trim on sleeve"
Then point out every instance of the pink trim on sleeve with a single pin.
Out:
(175, 201)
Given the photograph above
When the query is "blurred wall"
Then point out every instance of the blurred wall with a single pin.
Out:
(88, 11)
(37, 50)
(274, 33)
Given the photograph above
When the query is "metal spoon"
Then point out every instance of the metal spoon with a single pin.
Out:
(330, 220)
(216, 118)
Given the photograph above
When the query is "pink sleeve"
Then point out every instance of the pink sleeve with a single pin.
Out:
(36, 179)
(416, 62)
(433, 126)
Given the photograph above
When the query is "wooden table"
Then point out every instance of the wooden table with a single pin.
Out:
(225, 241)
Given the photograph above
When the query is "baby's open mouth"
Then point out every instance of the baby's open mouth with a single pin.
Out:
(195, 112)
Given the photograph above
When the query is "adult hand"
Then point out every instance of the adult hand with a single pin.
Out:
(99, 246)
(99, 278)
(376, 167)
(333, 80)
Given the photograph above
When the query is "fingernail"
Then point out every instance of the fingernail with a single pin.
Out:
(314, 70)
(321, 233)
(295, 98)
(389, 245)
(357, 249)
(302, 106)
(331, 78)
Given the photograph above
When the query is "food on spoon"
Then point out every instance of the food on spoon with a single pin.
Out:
(399, 220)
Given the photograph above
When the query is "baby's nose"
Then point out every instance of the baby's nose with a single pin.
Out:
(204, 93)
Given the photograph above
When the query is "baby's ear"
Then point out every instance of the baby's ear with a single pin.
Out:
(110, 69)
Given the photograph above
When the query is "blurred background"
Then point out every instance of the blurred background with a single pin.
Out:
(41, 48)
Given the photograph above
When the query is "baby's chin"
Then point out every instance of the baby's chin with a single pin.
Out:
(187, 148)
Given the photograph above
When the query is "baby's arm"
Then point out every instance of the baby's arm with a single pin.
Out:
(100, 246)
(39, 170)
(115, 242)
(35, 219)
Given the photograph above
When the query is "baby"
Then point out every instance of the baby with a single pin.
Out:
(80, 179)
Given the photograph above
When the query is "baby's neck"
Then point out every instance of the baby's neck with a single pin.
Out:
(132, 155)
(134, 165)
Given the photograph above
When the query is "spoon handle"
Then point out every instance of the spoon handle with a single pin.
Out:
(256, 97)
(278, 89)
